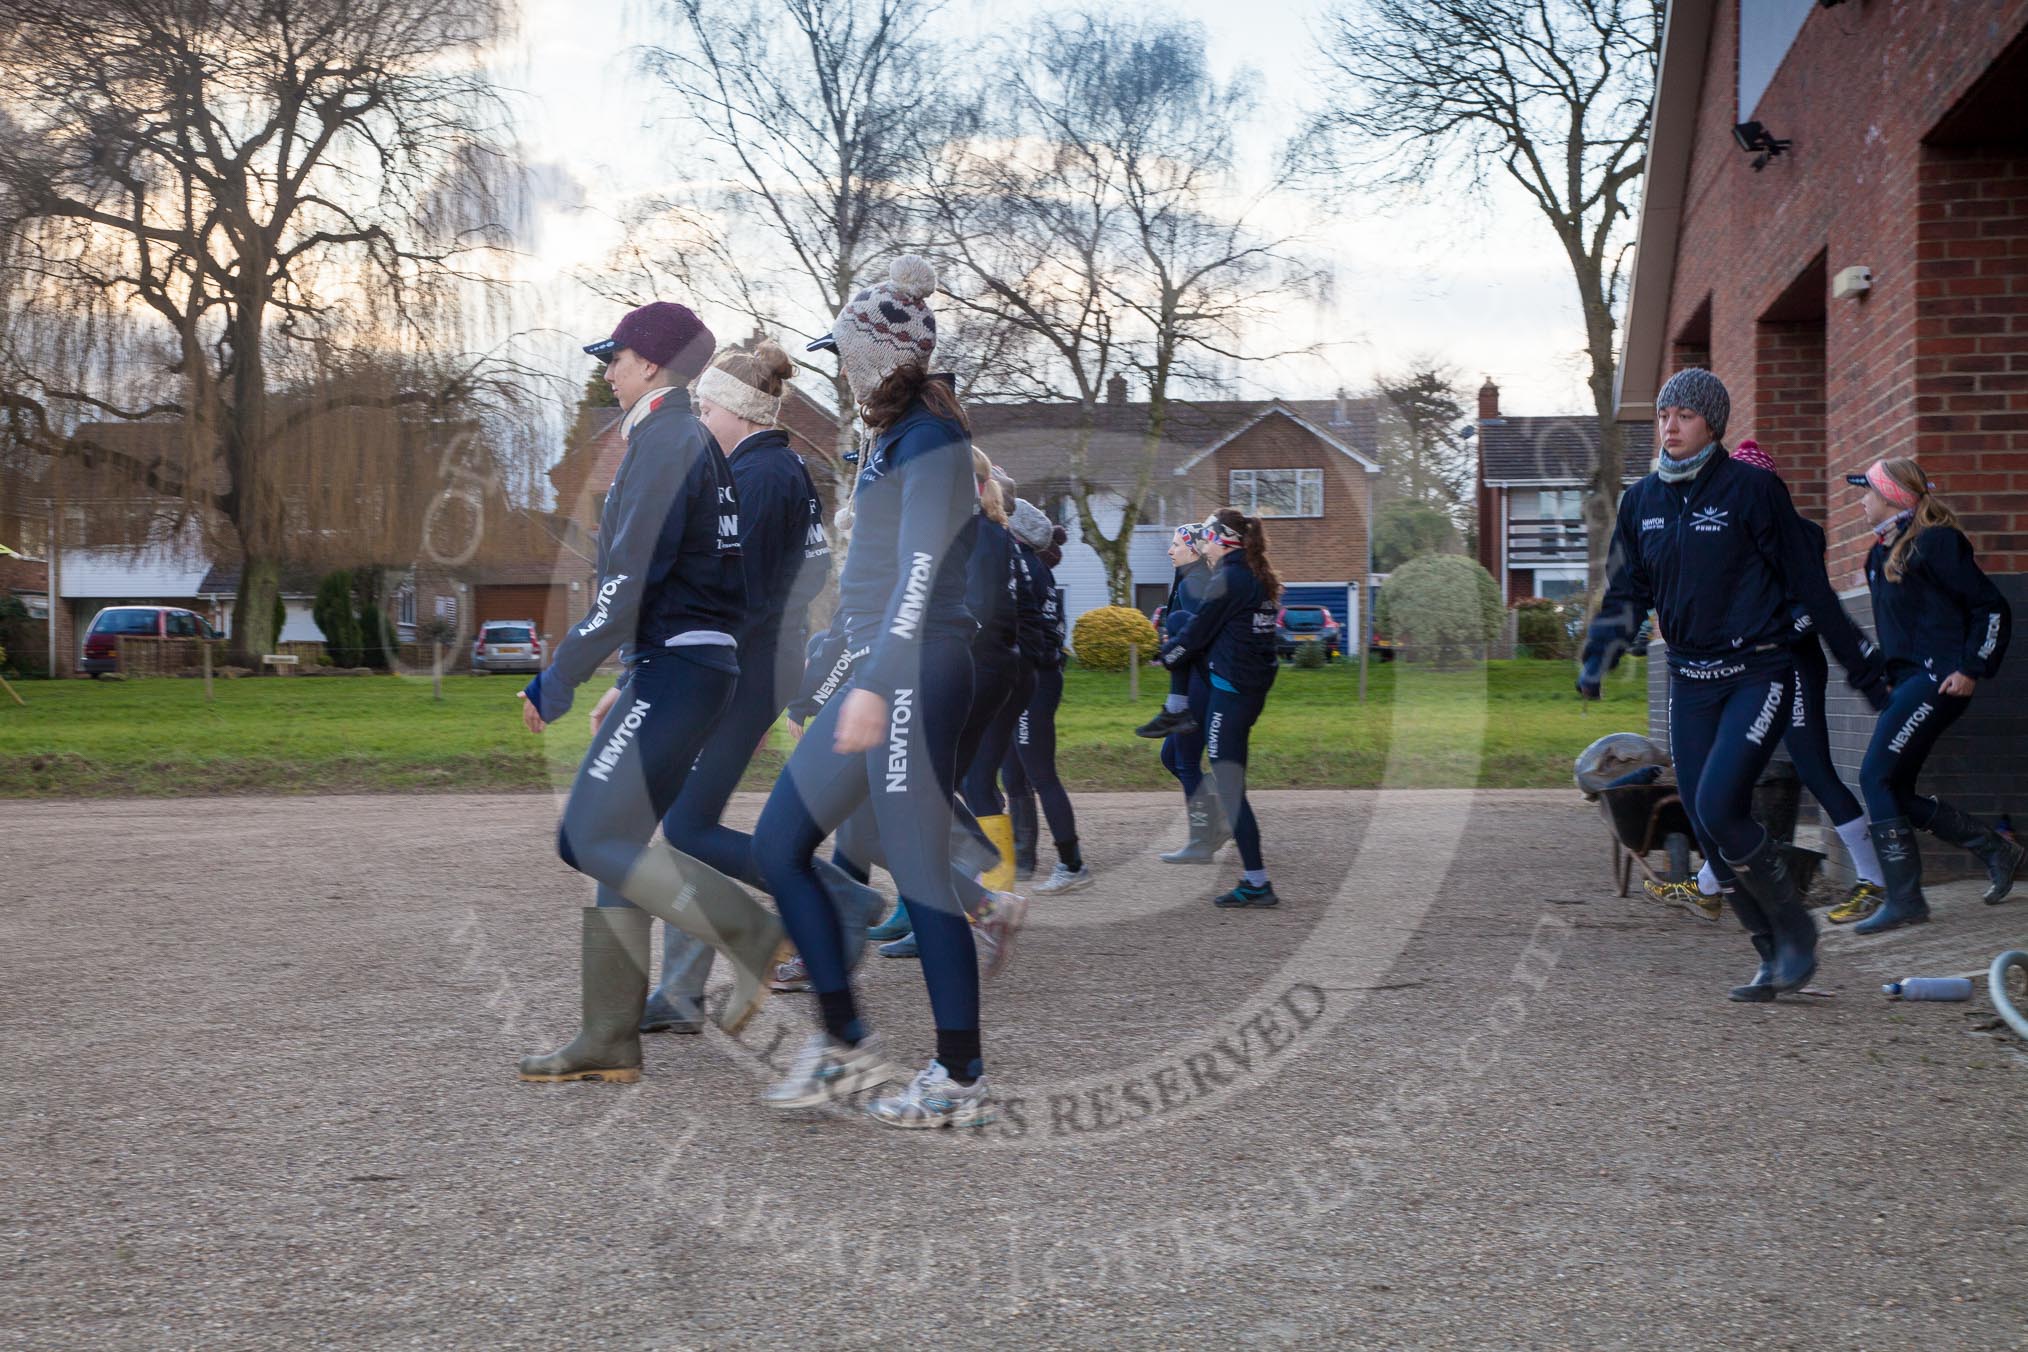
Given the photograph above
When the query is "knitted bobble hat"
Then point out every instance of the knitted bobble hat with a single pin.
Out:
(1702, 393)
(1748, 452)
(886, 326)
(1030, 525)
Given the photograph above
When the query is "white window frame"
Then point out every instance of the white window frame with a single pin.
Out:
(404, 606)
(1243, 487)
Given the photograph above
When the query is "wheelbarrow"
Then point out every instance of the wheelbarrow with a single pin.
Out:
(1644, 818)
(1647, 817)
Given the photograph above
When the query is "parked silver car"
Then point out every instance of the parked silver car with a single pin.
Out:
(507, 645)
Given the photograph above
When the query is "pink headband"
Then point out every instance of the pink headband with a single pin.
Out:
(1879, 481)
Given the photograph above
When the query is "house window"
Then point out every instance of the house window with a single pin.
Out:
(447, 608)
(1560, 504)
(1278, 492)
(404, 606)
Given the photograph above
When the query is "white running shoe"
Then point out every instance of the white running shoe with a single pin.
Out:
(1063, 879)
(934, 1099)
(827, 1069)
(994, 927)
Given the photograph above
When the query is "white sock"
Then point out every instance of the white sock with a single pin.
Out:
(1254, 877)
(1859, 843)
(1707, 880)
(1175, 704)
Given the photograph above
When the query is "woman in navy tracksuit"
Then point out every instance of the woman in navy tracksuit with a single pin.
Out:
(670, 596)
(1181, 726)
(1001, 680)
(1234, 630)
(891, 736)
(1030, 763)
(786, 560)
(1944, 627)
(1717, 550)
(1808, 740)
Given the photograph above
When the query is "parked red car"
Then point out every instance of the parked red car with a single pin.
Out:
(101, 652)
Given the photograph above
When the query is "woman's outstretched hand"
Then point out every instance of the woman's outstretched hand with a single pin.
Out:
(1957, 683)
(530, 719)
(598, 711)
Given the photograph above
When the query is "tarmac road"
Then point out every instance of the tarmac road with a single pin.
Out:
(260, 1094)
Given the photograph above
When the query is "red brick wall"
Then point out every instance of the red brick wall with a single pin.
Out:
(1943, 231)
(1971, 366)
(1790, 411)
(1330, 548)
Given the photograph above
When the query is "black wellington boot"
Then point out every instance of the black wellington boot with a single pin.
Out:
(614, 992)
(1901, 863)
(1761, 989)
(1764, 875)
(2001, 856)
(1021, 807)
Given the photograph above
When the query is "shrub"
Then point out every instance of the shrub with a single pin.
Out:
(333, 613)
(1309, 654)
(281, 618)
(1405, 529)
(1441, 607)
(376, 639)
(1101, 637)
(1544, 626)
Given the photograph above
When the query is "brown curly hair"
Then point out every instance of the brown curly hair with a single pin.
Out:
(904, 386)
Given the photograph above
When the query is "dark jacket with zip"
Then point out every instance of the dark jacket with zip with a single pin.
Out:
(1034, 601)
(668, 558)
(992, 592)
(1186, 594)
(1234, 626)
(1722, 560)
(1945, 615)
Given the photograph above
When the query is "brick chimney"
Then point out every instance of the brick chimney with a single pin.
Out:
(1338, 418)
(1489, 400)
(1116, 389)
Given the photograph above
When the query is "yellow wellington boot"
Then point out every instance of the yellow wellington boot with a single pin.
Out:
(999, 829)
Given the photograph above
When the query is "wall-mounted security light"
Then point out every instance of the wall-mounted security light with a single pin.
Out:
(1851, 282)
(1752, 137)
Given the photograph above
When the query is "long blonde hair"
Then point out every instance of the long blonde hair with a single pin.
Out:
(1929, 511)
(992, 499)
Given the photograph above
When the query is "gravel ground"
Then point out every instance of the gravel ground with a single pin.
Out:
(1452, 1094)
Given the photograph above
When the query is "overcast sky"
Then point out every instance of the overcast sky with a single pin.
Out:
(1481, 285)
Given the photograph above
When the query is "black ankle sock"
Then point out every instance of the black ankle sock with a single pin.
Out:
(958, 1052)
(1072, 857)
(841, 1016)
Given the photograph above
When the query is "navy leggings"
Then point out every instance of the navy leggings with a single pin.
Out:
(1233, 713)
(1907, 732)
(908, 779)
(1183, 755)
(981, 782)
(1034, 756)
(1809, 736)
(692, 824)
(994, 678)
(1725, 720)
(637, 764)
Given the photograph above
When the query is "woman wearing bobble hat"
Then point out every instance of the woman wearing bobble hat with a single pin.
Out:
(1944, 627)
(670, 597)
(1718, 551)
(891, 738)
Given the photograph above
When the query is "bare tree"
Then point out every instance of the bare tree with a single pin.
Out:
(1093, 209)
(1421, 414)
(210, 203)
(805, 106)
(1552, 94)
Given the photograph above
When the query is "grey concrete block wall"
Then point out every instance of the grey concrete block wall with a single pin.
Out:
(1981, 764)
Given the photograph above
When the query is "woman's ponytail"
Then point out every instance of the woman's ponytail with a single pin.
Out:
(1930, 510)
(1252, 533)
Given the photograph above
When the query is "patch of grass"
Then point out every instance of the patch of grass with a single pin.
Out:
(1503, 725)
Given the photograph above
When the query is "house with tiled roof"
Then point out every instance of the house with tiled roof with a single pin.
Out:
(1531, 477)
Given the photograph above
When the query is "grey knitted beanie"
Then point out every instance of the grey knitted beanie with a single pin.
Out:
(886, 326)
(1030, 524)
(1702, 393)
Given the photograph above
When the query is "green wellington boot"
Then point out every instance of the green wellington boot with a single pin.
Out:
(699, 900)
(615, 989)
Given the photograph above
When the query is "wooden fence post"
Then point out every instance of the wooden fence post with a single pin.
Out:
(437, 668)
(207, 669)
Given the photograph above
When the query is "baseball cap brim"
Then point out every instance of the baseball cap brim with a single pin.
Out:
(604, 349)
(825, 344)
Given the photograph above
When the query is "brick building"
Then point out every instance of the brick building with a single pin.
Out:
(1862, 290)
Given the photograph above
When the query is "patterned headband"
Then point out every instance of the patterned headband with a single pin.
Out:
(738, 398)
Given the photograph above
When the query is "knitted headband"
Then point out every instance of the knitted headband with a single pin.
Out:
(1214, 529)
(1881, 482)
(738, 398)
